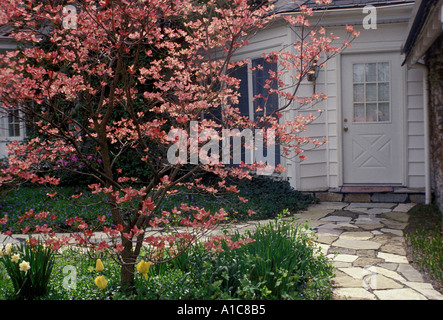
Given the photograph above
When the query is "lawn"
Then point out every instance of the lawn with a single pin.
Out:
(297, 270)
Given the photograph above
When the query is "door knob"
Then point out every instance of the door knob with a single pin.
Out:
(345, 129)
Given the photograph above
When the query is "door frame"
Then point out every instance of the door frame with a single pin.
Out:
(403, 111)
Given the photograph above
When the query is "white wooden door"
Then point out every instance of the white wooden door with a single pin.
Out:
(372, 119)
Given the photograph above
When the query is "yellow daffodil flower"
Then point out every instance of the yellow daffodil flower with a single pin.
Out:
(143, 268)
(101, 282)
(8, 249)
(24, 266)
(99, 266)
(15, 258)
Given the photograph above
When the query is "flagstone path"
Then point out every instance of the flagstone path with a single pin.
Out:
(366, 244)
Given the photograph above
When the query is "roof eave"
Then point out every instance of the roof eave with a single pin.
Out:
(425, 26)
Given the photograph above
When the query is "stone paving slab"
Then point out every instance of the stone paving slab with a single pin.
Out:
(371, 205)
(399, 294)
(366, 245)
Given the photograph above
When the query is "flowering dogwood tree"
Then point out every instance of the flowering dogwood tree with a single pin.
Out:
(100, 77)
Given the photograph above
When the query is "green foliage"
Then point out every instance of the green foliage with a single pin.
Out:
(273, 195)
(425, 239)
(428, 251)
(266, 197)
(31, 283)
(172, 285)
(74, 274)
(282, 263)
(132, 166)
(16, 202)
(286, 264)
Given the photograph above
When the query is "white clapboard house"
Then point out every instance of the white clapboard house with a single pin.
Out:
(374, 118)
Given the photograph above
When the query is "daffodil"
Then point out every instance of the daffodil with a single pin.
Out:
(8, 249)
(101, 282)
(24, 266)
(143, 268)
(99, 266)
(15, 257)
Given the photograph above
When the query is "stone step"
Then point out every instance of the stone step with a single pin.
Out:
(398, 195)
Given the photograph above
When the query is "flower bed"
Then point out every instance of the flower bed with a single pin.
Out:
(297, 270)
(205, 271)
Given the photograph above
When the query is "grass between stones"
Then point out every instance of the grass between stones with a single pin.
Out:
(424, 235)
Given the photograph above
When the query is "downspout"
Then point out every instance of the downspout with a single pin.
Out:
(422, 67)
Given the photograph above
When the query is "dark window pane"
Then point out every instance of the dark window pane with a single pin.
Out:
(260, 76)
(267, 102)
(241, 73)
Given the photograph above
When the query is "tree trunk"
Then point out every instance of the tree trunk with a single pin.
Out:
(127, 273)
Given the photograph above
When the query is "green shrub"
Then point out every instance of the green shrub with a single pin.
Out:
(285, 263)
(428, 252)
(282, 263)
(273, 195)
(266, 197)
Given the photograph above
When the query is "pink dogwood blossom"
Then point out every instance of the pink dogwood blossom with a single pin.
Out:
(119, 79)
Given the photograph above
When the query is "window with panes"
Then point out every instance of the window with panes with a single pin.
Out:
(371, 92)
(253, 80)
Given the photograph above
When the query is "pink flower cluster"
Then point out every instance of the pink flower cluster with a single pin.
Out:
(220, 243)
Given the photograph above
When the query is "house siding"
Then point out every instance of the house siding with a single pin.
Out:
(322, 170)
(415, 129)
